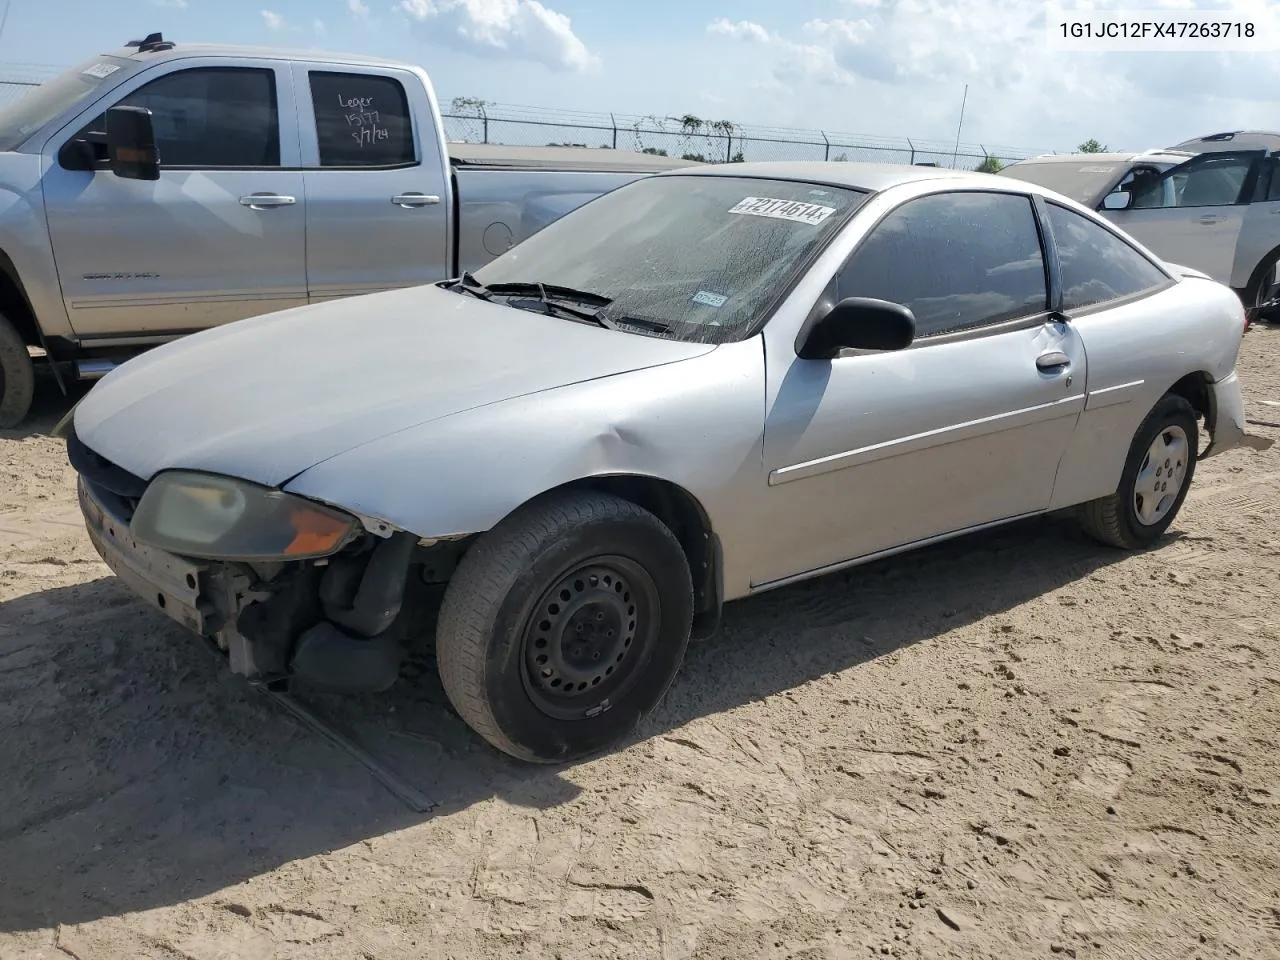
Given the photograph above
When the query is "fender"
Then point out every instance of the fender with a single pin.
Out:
(696, 425)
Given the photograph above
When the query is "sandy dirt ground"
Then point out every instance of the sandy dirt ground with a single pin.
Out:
(1016, 745)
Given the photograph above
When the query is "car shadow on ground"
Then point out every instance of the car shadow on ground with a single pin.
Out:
(139, 773)
(48, 406)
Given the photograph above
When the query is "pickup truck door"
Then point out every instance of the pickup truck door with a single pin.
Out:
(1193, 213)
(379, 203)
(219, 237)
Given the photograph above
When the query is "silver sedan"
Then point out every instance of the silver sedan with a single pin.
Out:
(703, 385)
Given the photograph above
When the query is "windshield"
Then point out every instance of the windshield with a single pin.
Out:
(1082, 181)
(695, 258)
(21, 118)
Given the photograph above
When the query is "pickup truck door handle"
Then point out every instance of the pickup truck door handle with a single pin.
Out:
(259, 201)
(415, 200)
(1210, 218)
(1052, 360)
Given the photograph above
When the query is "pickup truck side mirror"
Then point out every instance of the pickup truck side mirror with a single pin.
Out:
(131, 144)
(858, 323)
(1117, 200)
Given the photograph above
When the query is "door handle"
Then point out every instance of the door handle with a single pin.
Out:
(415, 200)
(260, 201)
(1209, 218)
(1052, 360)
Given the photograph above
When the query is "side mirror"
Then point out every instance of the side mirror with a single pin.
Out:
(76, 155)
(131, 144)
(858, 323)
(1117, 200)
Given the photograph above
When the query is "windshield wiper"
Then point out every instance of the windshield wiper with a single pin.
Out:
(657, 326)
(549, 291)
(469, 284)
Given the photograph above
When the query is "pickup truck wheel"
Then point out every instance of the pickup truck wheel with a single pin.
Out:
(563, 627)
(1156, 478)
(17, 377)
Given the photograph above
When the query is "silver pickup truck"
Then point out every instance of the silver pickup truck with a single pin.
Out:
(162, 189)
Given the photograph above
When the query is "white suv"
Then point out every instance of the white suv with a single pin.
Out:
(1211, 203)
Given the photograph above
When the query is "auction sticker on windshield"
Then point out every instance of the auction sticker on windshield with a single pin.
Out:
(794, 210)
(100, 70)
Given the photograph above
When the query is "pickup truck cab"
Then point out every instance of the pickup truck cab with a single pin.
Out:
(165, 188)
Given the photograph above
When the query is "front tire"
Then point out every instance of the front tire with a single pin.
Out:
(564, 626)
(1156, 478)
(17, 377)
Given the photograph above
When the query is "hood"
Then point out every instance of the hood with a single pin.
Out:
(19, 173)
(264, 399)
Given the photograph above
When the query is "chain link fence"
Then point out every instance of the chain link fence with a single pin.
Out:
(474, 121)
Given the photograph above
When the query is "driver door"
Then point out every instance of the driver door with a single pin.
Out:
(148, 260)
(874, 451)
(1193, 214)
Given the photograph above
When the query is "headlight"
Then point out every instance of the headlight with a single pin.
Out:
(219, 518)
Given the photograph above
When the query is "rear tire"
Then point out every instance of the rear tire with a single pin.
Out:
(564, 626)
(17, 377)
(1156, 478)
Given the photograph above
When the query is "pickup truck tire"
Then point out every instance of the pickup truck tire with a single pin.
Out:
(17, 377)
(563, 627)
(1156, 478)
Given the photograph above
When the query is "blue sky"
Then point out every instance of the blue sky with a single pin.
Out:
(881, 67)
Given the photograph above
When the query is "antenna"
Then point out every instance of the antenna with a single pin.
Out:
(960, 127)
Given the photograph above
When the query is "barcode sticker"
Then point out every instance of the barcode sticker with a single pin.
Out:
(794, 210)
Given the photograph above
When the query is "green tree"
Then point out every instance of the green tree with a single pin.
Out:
(1093, 146)
(989, 164)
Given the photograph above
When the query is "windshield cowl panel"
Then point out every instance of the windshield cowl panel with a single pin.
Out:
(689, 257)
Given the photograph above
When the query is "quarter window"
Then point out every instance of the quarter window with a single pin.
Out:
(361, 120)
(1096, 265)
(957, 260)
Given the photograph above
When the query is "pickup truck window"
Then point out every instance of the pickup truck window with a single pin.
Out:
(362, 120)
(207, 117)
(692, 257)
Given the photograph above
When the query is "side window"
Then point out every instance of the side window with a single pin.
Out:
(1273, 188)
(1210, 180)
(1096, 265)
(362, 120)
(958, 260)
(207, 117)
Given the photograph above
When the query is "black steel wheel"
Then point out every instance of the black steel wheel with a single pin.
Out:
(563, 627)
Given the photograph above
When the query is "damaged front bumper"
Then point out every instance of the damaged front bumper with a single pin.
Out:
(1229, 428)
(335, 623)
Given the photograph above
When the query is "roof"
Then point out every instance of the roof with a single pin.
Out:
(181, 50)
(1113, 157)
(592, 160)
(1232, 140)
(872, 177)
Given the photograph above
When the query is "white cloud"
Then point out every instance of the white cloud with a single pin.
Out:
(899, 68)
(357, 9)
(273, 20)
(170, 4)
(318, 27)
(519, 29)
(742, 30)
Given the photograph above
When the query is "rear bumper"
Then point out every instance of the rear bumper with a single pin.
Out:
(1228, 429)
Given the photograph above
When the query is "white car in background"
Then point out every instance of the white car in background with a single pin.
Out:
(1089, 178)
(1211, 203)
(1218, 212)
